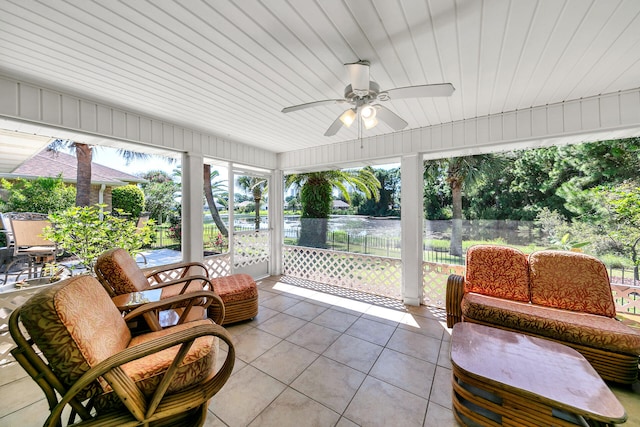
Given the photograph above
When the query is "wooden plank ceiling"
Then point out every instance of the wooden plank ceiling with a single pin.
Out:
(228, 67)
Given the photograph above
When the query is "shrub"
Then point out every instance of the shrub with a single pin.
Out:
(80, 231)
(42, 195)
(129, 199)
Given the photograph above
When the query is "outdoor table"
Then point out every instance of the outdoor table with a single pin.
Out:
(507, 378)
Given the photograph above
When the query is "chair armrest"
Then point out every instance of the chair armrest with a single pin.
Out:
(161, 273)
(127, 390)
(455, 292)
(199, 298)
(207, 285)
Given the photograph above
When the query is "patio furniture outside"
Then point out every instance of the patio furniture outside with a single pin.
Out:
(515, 379)
(26, 229)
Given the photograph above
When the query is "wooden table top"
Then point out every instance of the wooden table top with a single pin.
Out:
(135, 299)
(550, 372)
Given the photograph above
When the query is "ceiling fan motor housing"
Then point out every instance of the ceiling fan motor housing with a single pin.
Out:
(365, 96)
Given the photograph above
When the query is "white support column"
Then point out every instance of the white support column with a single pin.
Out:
(232, 228)
(412, 224)
(276, 221)
(192, 224)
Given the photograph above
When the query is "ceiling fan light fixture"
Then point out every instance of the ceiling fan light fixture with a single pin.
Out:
(348, 117)
(368, 112)
(370, 123)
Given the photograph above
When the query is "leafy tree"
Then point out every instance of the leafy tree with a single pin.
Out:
(461, 172)
(624, 204)
(436, 195)
(42, 195)
(258, 187)
(128, 199)
(159, 194)
(316, 197)
(389, 189)
(80, 231)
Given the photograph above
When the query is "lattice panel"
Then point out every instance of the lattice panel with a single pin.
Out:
(434, 282)
(251, 248)
(627, 298)
(171, 274)
(376, 275)
(218, 265)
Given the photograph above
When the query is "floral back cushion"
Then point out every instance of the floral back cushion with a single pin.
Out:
(121, 272)
(76, 325)
(571, 281)
(497, 271)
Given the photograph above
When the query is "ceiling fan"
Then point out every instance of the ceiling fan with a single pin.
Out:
(361, 95)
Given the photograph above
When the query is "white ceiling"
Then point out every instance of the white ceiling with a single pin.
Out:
(228, 68)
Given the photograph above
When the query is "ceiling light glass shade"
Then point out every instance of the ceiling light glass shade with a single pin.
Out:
(348, 117)
(370, 123)
(367, 112)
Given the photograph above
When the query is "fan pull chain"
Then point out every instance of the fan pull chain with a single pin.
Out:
(360, 130)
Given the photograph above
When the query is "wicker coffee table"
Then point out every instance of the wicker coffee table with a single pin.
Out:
(507, 378)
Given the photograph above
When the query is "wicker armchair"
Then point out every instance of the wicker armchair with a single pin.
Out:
(81, 354)
(119, 274)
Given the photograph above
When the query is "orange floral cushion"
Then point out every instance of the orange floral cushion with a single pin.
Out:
(76, 325)
(563, 325)
(198, 365)
(236, 287)
(121, 271)
(497, 271)
(571, 281)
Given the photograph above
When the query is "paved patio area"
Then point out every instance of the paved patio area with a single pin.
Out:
(317, 355)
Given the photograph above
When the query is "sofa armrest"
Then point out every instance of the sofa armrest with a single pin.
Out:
(455, 291)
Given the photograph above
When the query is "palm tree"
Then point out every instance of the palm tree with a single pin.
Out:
(257, 186)
(209, 189)
(461, 172)
(316, 194)
(84, 158)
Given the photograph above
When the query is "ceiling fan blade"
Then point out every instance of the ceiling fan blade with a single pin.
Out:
(359, 75)
(423, 91)
(390, 118)
(313, 104)
(335, 127)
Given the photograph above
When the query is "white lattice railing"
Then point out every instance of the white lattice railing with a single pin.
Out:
(373, 274)
(251, 247)
(627, 298)
(434, 282)
(218, 265)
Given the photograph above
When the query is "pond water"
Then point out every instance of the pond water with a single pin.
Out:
(511, 232)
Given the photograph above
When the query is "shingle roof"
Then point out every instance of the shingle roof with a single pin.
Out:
(52, 164)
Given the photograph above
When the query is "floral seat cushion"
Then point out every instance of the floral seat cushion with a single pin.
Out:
(497, 271)
(563, 325)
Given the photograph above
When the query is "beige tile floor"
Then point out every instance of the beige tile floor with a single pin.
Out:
(314, 358)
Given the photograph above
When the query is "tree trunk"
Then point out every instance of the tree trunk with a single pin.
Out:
(455, 248)
(313, 232)
(208, 194)
(84, 157)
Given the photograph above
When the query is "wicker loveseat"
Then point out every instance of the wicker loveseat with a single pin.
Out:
(557, 295)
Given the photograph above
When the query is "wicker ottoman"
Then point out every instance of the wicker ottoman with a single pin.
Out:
(240, 296)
